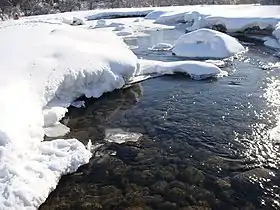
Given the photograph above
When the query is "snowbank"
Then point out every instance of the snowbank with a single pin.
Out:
(195, 69)
(171, 17)
(251, 19)
(155, 14)
(74, 21)
(227, 18)
(54, 65)
(207, 43)
(57, 63)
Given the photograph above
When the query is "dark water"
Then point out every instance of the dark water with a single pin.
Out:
(205, 144)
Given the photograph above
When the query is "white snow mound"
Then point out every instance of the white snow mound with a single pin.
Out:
(207, 43)
(197, 70)
(43, 71)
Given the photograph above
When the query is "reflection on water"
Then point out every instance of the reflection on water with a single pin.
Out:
(89, 122)
(204, 145)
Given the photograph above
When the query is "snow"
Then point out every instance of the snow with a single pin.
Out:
(206, 43)
(272, 43)
(231, 18)
(119, 13)
(276, 32)
(219, 63)
(56, 130)
(161, 47)
(53, 115)
(78, 104)
(155, 14)
(55, 64)
(197, 70)
(124, 31)
(171, 17)
(74, 21)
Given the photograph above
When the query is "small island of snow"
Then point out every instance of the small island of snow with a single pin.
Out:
(207, 43)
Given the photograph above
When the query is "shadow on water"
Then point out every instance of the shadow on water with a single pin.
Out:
(205, 144)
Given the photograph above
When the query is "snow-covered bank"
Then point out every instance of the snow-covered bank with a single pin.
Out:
(42, 72)
(228, 18)
(231, 18)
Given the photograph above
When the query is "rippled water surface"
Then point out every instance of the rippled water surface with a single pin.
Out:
(205, 144)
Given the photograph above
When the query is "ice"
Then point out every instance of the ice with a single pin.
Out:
(171, 17)
(119, 136)
(197, 70)
(228, 18)
(124, 27)
(119, 13)
(55, 64)
(219, 63)
(207, 43)
(56, 130)
(101, 23)
(124, 31)
(161, 47)
(74, 21)
(155, 14)
(78, 104)
(53, 115)
(272, 43)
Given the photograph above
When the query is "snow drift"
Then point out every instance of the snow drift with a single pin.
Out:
(206, 43)
(227, 18)
(42, 72)
(195, 69)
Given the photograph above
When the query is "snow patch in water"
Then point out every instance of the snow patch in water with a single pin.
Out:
(207, 43)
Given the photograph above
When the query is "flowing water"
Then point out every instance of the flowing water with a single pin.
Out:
(204, 145)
